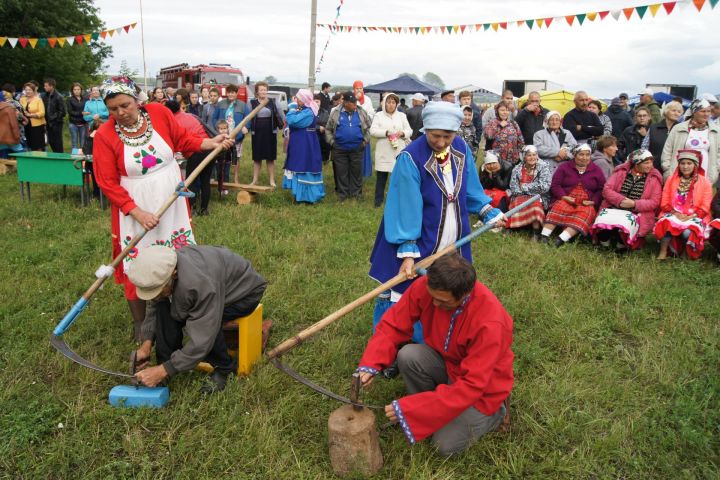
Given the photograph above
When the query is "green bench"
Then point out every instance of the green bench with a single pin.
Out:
(52, 169)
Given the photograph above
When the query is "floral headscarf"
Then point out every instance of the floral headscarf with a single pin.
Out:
(638, 156)
(695, 106)
(118, 85)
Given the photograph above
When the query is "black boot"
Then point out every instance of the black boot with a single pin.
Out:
(392, 371)
(215, 383)
(559, 242)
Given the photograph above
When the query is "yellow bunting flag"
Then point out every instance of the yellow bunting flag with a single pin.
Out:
(33, 42)
(2, 41)
(654, 9)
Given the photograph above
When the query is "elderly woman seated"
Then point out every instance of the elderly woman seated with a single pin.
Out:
(631, 198)
(530, 177)
(554, 143)
(576, 190)
(684, 208)
(495, 179)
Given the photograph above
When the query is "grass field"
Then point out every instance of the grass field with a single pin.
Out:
(616, 368)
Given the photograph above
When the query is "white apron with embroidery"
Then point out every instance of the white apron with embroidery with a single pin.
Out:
(616, 218)
(152, 175)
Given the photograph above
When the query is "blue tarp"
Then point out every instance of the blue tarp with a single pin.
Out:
(660, 98)
(403, 85)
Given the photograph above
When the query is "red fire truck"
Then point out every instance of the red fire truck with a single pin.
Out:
(218, 75)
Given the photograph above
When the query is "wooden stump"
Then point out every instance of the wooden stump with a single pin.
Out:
(243, 197)
(353, 441)
(7, 166)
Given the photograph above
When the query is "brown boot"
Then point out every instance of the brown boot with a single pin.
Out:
(505, 426)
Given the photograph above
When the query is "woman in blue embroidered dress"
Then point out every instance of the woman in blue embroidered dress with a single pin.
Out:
(433, 189)
(303, 167)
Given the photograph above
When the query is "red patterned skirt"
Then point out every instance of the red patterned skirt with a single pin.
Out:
(528, 215)
(578, 217)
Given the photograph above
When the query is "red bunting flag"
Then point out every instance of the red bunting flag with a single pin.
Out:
(570, 19)
(78, 39)
(52, 42)
(603, 14)
(126, 28)
(503, 25)
(23, 42)
(669, 6)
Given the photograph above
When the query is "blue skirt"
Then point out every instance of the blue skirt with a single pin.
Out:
(304, 186)
(367, 162)
(382, 305)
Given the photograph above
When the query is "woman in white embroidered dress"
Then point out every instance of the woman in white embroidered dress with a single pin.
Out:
(133, 156)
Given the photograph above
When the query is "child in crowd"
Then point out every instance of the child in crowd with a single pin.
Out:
(467, 130)
(227, 157)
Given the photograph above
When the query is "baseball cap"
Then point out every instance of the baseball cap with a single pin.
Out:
(419, 97)
(623, 95)
(647, 91)
(349, 97)
(151, 270)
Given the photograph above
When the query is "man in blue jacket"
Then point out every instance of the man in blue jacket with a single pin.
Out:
(348, 131)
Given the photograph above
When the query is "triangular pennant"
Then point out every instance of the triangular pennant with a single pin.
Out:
(529, 23)
(52, 42)
(603, 14)
(95, 35)
(78, 39)
(503, 25)
(43, 42)
(462, 28)
(570, 19)
(495, 26)
(23, 42)
(417, 30)
(713, 3)
(111, 32)
(33, 42)
(669, 6)
(478, 26)
(486, 26)
(641, 11)
(456, 28)
(435, 29)
(2, 41)
(132, 25)
(103, 34)
(12, 41)
(539, 22)
(61, 41)
(442, 28)
(616, 14)
(118, 31)
(87, 38)
(520, 23)
(581, 18)
(449, 29)
(699, 4)
(592, 16)
(654, 9)
(548, 21)
(628, 12)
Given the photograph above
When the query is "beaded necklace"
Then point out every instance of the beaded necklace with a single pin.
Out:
(140, 140)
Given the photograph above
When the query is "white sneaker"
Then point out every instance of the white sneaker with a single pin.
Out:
(224, 193)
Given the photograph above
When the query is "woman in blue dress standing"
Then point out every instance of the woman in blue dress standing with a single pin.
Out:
(303, 166)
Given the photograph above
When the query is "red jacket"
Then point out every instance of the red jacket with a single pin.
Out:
(646, 207)
(478, 359)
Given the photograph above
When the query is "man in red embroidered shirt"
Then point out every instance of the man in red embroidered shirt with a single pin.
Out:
(458, 380)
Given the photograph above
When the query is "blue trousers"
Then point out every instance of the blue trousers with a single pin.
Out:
(382, 305)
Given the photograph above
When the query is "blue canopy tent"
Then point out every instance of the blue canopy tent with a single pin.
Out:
(402, 85)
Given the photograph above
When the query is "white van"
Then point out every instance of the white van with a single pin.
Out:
(280, 98)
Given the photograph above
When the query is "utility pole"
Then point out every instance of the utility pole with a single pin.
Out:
(311, 68)
(142, 41)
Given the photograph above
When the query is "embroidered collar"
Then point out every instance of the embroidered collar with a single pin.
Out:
(455, 314)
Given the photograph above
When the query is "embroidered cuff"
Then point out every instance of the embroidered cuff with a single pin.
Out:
(369, 370)
(488, 215)
(403, 422)
(408, 249)
(484, 210)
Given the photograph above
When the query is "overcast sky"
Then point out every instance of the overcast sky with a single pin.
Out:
(603, 57)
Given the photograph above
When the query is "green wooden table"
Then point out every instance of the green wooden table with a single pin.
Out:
(50, 168)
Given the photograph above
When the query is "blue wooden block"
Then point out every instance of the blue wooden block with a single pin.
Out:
(134, 397)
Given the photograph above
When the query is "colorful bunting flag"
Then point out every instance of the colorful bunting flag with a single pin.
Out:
(52, 42)
(628, 12)
(2, 41)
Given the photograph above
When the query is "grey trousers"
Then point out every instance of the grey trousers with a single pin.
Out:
(423, 369)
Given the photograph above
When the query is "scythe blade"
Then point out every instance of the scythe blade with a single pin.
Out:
(63, 348)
